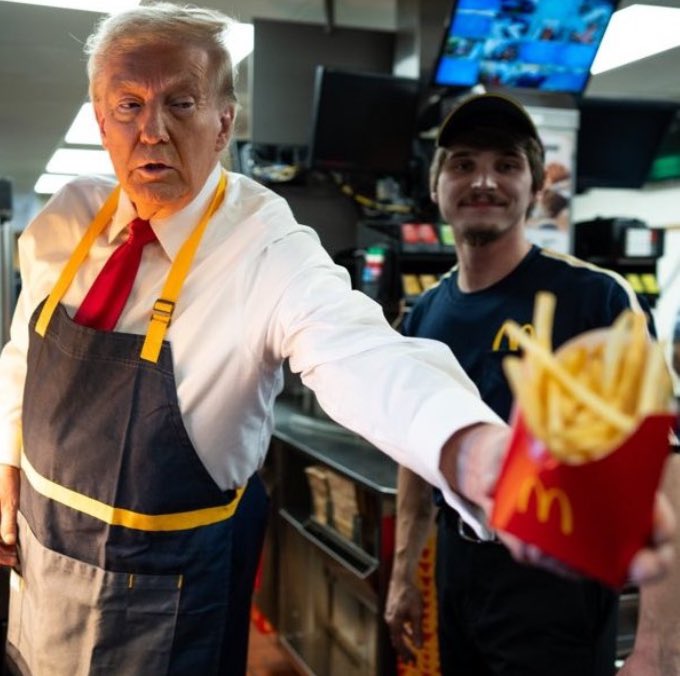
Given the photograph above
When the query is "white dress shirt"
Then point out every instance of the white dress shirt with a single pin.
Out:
(261, 289)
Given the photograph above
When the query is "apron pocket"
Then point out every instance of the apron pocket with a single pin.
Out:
(70, 617)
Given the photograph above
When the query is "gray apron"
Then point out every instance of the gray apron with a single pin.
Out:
(125, 541)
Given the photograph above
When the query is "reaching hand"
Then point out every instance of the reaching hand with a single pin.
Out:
(404, 617)
(471, 462)
(9, 503)
(655, 561)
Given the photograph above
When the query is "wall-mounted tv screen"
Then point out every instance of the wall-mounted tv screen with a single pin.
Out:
(547, 45)
(283, 67)
(362, 122)
(618, 141)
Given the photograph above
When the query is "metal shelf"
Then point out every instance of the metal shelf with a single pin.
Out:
(341, 550)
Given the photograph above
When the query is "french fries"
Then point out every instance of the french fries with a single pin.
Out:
(586, 398)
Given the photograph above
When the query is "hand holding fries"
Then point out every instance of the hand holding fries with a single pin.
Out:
(585, 399)
(590, 438)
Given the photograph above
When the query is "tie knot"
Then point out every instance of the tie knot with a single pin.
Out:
(141, 232)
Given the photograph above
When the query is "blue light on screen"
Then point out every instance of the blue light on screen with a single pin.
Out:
(479, 5)
(542, 44)
(541, 52)
(578, 56)
(471, 26)
(462, 71)
(565, 81)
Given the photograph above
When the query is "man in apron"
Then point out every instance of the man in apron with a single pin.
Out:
(139, 521)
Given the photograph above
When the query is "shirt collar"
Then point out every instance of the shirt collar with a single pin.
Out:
(173, 230)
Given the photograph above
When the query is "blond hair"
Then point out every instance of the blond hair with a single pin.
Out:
(164, 22)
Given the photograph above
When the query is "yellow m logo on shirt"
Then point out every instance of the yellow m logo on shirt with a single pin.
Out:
(545, 497)
(512, 344)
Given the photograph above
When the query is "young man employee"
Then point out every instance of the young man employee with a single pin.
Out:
(496, 616)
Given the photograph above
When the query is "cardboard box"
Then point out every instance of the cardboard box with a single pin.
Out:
(320, 490)
(334, 500)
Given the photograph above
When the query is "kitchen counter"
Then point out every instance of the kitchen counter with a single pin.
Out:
(330, 585)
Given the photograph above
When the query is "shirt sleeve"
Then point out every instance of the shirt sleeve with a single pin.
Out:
(406, 396)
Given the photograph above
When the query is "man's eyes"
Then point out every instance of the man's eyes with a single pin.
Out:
(460, 165)
(133, 106)
(127, 106)
(510, 166)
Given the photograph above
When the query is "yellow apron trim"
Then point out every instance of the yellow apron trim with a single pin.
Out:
(116, 516)
(101, 220)
(163, 308)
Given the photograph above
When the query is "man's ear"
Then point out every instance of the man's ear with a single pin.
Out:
(227, 117)
(100, 123)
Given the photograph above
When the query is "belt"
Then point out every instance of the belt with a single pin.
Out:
(455, 524)
(467, 533)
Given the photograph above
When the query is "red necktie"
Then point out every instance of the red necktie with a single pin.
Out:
(107, 296)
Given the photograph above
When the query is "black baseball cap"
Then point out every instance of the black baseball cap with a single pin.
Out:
(486, 110)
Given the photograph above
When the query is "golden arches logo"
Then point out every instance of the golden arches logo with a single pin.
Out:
(512, 343)
(545, 497)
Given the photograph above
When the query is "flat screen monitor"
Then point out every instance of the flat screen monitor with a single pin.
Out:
(618, 141)
(362, 122)
(283, 66)
(546, 45)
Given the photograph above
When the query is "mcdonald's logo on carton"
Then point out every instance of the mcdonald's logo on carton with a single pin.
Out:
(569, 511)
(545, 499)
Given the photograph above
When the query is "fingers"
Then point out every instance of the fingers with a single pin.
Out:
(416, 632)
(8, 555)
(532, 555)
(400, 628)
(401, 646)
(8, 523)
(9, 502)
(651, 565)
(404, 620)
(656, 561)
(664, 522)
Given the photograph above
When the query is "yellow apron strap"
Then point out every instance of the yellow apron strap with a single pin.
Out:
(161, 315)
(68, 273)
(165, 305)
(117, 516)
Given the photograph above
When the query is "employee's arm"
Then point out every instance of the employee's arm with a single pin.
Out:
(657, 642)
(404, 607)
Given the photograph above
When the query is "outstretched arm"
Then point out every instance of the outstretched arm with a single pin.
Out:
(404, 606)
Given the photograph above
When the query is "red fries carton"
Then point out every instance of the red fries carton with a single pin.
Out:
(592, 516)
